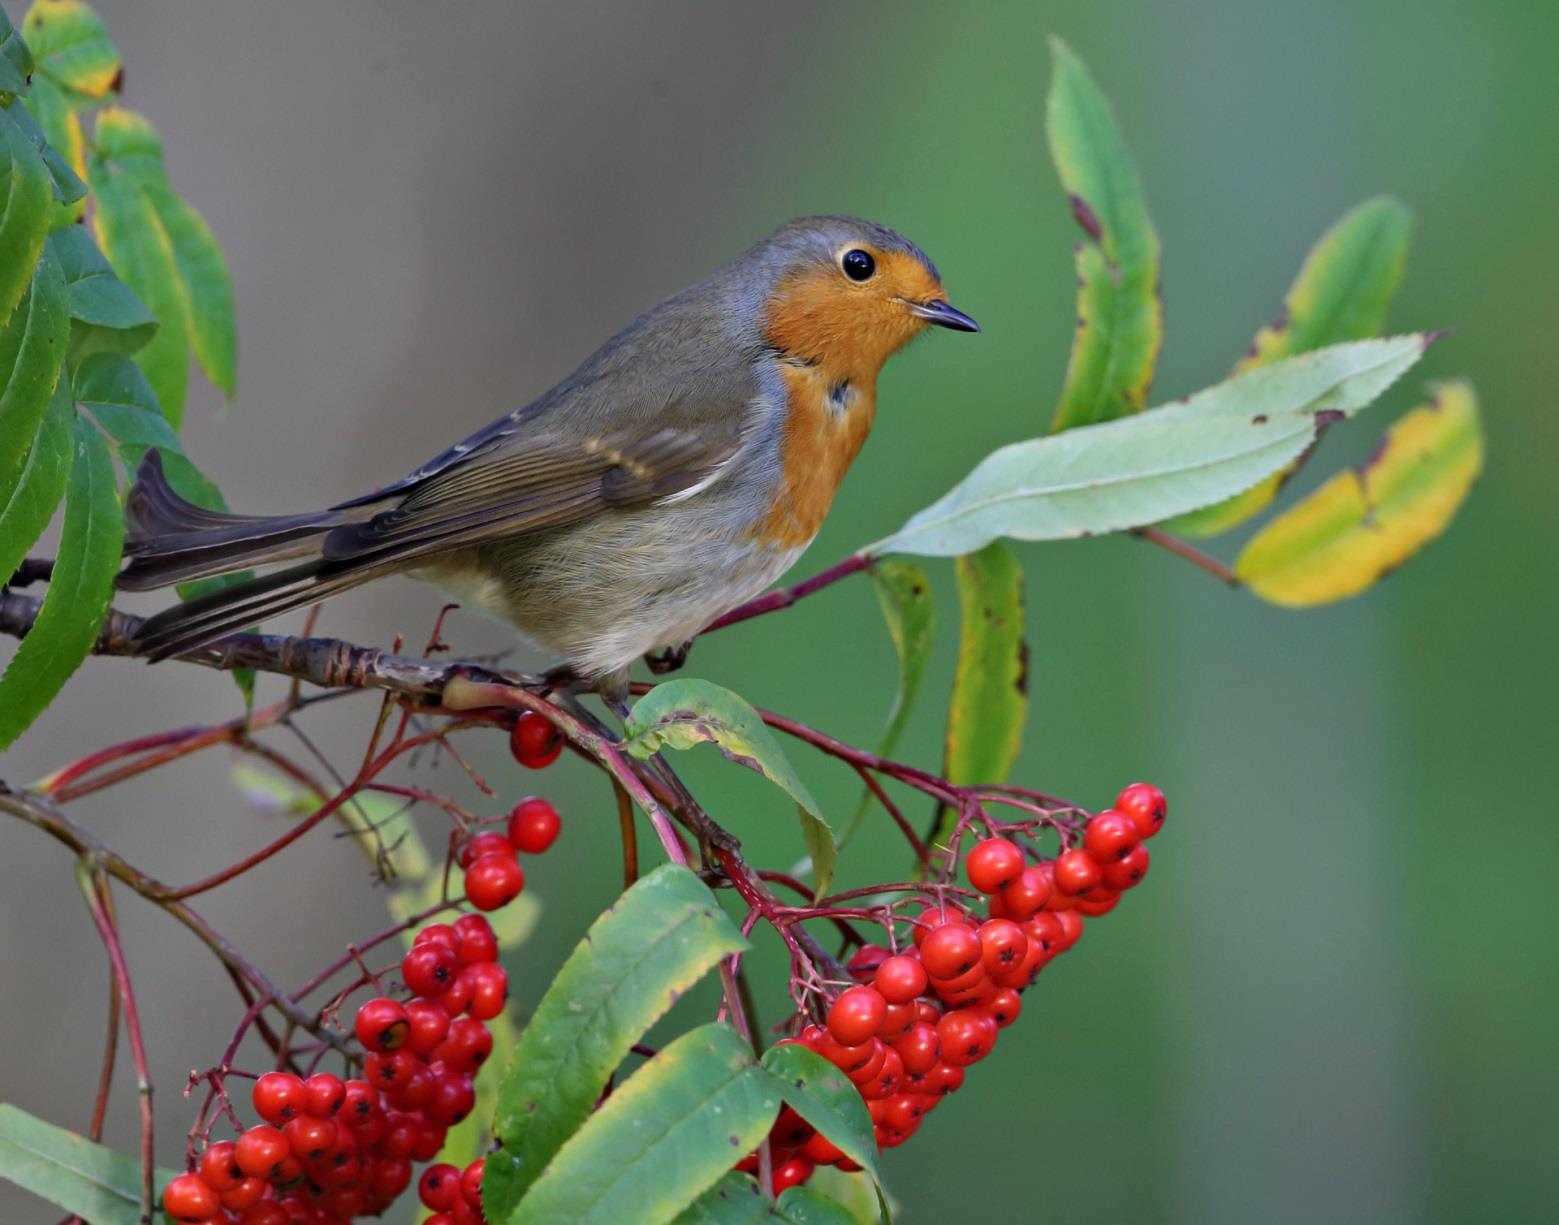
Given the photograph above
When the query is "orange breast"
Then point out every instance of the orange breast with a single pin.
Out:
(817, 447)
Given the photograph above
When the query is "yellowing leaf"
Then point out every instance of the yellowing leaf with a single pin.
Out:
(1364, 523)
(72, 47)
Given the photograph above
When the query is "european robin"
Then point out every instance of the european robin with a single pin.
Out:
(677, 473)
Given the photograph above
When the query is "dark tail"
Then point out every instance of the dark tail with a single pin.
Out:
(170, 540)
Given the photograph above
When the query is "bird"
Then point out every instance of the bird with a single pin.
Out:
(678, 472)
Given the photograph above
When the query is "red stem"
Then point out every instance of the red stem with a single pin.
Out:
(784, 597)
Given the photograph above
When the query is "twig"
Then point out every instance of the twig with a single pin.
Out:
(784, 597)
(630, 835)
(1190, 553)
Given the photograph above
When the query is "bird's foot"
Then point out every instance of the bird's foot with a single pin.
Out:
(668, 659)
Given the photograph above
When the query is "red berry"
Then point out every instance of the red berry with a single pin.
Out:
(429, 1025)
(959, 984)
(344, 1203)
(993, 863)
(261, 1151)
(279, 1096)
(389, 1179)
(309, 1138)
(900, 978)
(812, 1037)
(847, 1058)
(243, 1195)
(467, 1047)
(489, 843)
(489, 989)
(401, 1134)
(534, 742)
(790, 1130)
(1145, 805)
(896, 1020)
(455, 1000)
(792, 1173)
(920, 1048)
(429, 969)
(967, 1036)
(471, 1183)
(820, 1150)
(1004, 944)
(950, 950)
(864, 962)
(1071, 928)
(1046, 928)
(429, 1146)
(933, 917)
(1100, 901)
(219, 1168)
(1128, 872)
(439, 1186)
(1005, 1006)
(413, 1085)
(478, 941)
(439, 933)
(1076, 872)
(945, 1078)
(381, 1024)
(323, 1095)
(454, 1097)
(187, 1198)
(1111, 836)
(493, 881)
(268, 1213)
(856, 1015)
(1025, 895)
(534, 825)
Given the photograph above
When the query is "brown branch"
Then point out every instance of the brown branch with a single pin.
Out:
(1190, 553)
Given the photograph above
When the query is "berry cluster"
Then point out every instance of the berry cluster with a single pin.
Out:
(921, 1015)
(493, 876)
(329, 1150)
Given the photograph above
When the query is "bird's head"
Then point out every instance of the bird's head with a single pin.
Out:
(847, 294)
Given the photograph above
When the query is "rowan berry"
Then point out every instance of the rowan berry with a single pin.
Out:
(945, 1078)
(1128, 873)
(899, 979)
(278, 1096)
(478, 941)
(262, 1151)
(308, 1137)
(1071, 928)
(933, 917)
(856, 1015)
(489, 843)
(429, 1144)
(454, 1097)
(1100, 901)
(244, 1194)
(1005, 1006)
(869, 1071)
(489, 989)
(791, 1173)
(439, 933)
(1045, 927)
(323, 1094)
(493, 881)
(535, 742)
(1145, 805)
(429, 969)
(820, 1150)
(413, 1082)
(344, 1203)
(847, 1058)
(1024, 895)
(1004, 945)
(534, 825)
(188, 1198)
(381, 1024)
(1077, 872)
(865, 961)
(358, 1102)
(950, 950)
(219, 1168)
(439, 1186)
(896, 1020)
(429, 1025)
(267, 1213)
(993, 863)
(967, 1036)
(467, 1047)
(790, 1130)
(1110, 837)
(471, 1183)
(455, 1000)
(919, 1049)
(401, 1133)
(812, 1037)
(389, 1179)
(904, 1112)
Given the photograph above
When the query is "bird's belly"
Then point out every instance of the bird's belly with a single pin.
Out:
(605, 592)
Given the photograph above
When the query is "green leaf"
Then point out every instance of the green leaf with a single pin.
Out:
(682, 713)
(661, 1140)
(1365, 522)
(822, 1095)
(806, 1206)
(32, 352)
(1341, 293)
(650, 947)
(138, 247)
(1137, 470)
(29, 496)
(132, 144)
(26, 196)
(106, 315)
(70, 1171)
(65, 185)
(907, 607)
(79, 591)
(1120, 319)
(66, 152)
(990, 698)
(854, 1192)
(119, 397)
(15, 59)
(735, 1200)
(72, 48)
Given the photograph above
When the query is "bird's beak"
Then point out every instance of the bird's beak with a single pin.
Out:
(944, 315)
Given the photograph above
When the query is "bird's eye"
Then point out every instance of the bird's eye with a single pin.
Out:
(858, 265)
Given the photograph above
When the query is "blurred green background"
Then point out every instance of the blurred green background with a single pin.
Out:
(1333, 1000)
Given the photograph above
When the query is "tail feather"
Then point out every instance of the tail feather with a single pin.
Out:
(172, 540)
